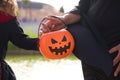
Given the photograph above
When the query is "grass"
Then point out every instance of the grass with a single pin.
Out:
(31, 57)
(20, 57)
(31, 33)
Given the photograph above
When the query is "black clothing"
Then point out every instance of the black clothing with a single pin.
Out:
(93, 73)
(11, 31)
(105, 15)
(7, 73)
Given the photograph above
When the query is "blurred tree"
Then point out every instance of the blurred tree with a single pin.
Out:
(25, 2)
(61, 9)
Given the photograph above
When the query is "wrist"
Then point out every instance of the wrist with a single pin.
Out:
(70, 18)
(65, 19)
(60, 18)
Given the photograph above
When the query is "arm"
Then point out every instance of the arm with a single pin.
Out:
(20, 39)
(76, 13)
(52, 24)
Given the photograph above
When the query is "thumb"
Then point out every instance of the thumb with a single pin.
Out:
(112, 50)
(40, 33)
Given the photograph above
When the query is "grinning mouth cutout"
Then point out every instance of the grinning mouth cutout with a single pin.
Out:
(60, 50)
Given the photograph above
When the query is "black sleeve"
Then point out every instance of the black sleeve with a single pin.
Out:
(20, 39)
(82, 7)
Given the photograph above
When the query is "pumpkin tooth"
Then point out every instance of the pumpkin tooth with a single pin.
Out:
(61, 53)
(56, 53)
(65, 51)
(55, 47)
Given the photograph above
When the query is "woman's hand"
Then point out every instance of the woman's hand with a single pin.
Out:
(51, 23)
(117, 58)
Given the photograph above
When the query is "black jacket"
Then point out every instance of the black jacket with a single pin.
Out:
(105, 14)
(11, 31)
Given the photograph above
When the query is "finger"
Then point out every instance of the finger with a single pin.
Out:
(52, 27)
(117, 71)
(53, 20)
(50, 18)
(40, 33)
(44, 28)
(44, 20)
(54, 23)
(117, 59)
(48, 24)
(114, 49)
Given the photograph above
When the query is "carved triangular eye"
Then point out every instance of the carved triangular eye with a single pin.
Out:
(64, 39)
(53, 41)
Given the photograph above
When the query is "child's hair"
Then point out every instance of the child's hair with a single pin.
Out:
(9, 7)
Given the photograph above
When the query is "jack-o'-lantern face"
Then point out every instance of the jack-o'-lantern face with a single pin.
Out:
(57, 44)
(60, 46)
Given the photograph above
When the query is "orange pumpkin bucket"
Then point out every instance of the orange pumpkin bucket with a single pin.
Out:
(57, 44)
